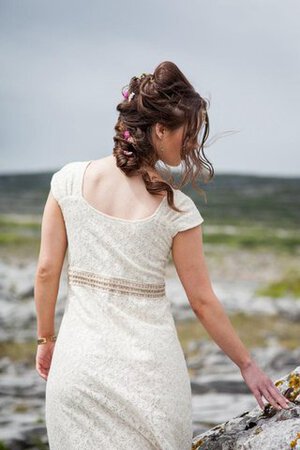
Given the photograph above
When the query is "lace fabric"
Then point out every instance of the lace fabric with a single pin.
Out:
(118, 376)
(113, 284)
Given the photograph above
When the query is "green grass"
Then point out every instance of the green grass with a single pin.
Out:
(21, 408)
(8, 223)
(38, 443)
(19, 351)
(3, 446)
(21, 233)
(288, 285)
(7, 239)
(252, 330)
(254, 238)
(18, 232)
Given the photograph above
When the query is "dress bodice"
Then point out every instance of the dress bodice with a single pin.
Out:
(132, 249)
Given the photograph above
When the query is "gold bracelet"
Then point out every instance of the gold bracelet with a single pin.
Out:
(43, 340)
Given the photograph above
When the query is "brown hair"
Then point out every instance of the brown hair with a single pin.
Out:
(166, 97)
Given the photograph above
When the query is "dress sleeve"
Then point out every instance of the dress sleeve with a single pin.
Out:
(190, 218)
(60, 182)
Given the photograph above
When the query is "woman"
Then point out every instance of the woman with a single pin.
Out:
(116, 374)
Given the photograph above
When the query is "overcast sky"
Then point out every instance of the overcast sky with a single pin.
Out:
(64, 63)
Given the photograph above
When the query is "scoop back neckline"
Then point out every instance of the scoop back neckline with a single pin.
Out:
(109, 216)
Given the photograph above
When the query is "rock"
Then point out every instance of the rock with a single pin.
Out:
(256, 429)
(225, 383)
(27, 293)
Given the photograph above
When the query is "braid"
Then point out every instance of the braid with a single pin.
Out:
(165, 97)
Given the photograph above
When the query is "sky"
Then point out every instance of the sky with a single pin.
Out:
(64, 63)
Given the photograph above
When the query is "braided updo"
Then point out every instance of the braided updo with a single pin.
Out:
(167, 97)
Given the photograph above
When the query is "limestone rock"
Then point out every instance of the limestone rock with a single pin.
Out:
(256, 429)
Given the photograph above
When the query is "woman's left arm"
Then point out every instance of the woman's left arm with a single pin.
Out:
(53, 248)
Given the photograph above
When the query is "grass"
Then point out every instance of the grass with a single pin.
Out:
(21, 408)
(252, 330)
(8, 239)
(19, 351)
(8, 223)
(253, 238)
(24, 233)
(16, 233)
(288, 285)
(38, 443)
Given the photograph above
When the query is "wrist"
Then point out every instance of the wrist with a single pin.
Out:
(46, 339)
(245, 364)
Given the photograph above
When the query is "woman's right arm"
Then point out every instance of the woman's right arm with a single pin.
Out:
(190, 264)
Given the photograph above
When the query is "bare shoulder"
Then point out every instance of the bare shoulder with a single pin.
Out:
(102, 163)
(101, 166)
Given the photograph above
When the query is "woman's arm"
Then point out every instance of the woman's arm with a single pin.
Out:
(50, 262)
(189, 261)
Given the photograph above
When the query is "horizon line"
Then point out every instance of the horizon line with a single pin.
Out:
(217, 173)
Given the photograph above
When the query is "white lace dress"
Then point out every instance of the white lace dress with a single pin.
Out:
(118, 377)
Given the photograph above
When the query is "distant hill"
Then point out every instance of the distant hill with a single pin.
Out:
(249, 199)
(231, 199)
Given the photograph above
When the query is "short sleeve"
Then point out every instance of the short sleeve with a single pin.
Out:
(61, 182)
(55, 185)
(190, 216)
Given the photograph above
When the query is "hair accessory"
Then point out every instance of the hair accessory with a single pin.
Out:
(126, 134)
(128, 138)
(130, 97)
(127, 152)
(125, 93)
(145, 74)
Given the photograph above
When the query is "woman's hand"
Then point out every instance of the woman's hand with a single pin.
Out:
(261, 385)
(43, 358)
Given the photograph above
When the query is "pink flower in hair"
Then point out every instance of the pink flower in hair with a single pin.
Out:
(126, 135)
(125, 93)
(128, 138)
(128, 96)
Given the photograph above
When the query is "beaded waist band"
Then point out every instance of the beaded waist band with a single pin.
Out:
(115, 284)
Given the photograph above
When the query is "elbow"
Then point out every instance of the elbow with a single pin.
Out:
(45, 272)
(198, 309)
(203, 303)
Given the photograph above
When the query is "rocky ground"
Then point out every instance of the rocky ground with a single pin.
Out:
(219, 392)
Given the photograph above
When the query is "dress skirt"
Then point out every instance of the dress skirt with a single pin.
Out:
(118, 376)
